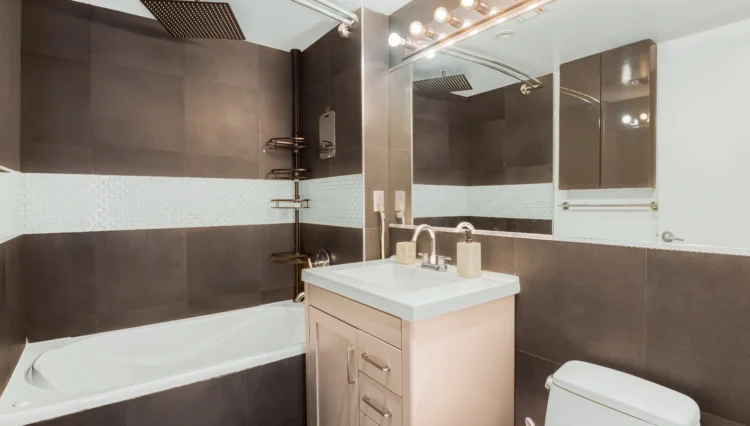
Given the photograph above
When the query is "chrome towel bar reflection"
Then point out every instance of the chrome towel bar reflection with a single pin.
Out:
(654, 205)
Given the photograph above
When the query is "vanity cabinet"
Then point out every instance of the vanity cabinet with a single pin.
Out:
(369, 368)
(608, 119)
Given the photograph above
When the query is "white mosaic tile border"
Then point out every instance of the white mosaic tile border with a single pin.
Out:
(11, 206)
(336, 201)
(439, 201)
(84, 203)
(531, 201)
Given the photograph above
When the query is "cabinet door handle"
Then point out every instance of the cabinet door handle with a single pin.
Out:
(379, 366)
(349, 376)
(382, 411)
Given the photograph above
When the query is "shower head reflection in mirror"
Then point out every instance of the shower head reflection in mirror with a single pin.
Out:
(588, 138)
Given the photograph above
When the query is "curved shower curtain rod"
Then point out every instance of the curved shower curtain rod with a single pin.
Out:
(529, 83)
(333, 11)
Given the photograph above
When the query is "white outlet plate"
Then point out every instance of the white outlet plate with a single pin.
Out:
(400, 201)
(378, 201)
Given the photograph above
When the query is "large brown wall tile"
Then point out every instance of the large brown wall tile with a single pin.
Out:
(531, 396)
(581, 301)
(139, 269)
(56, 104)
(136, 109)
(224, 267)
(10, 83)
(135, 42)
(12, 321)
(98, 77)
(58, 274)
(698, 328)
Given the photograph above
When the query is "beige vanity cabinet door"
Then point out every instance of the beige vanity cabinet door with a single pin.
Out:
(332, 383)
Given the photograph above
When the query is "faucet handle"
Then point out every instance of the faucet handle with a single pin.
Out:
(425, 257)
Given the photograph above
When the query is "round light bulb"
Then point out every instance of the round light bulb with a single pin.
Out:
(644, 116)
(626, 119)
(442, 15)
(416, 28)
(468, 4)
(394, 40)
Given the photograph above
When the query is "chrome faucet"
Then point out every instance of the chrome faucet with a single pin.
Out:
(433, 258)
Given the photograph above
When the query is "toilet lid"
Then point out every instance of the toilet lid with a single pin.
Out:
(628, 394)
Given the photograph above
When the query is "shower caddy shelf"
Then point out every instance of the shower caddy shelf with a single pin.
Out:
(291, 203)
(289, 174)
(285, 144)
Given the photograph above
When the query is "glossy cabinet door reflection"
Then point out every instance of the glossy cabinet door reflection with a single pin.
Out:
(580, 114)
(628, 116)
(607, 119)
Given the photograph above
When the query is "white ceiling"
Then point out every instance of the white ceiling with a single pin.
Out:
(281, 24)
(573, 29)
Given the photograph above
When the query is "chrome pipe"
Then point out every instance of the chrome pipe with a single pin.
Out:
(530, 83)
(506, 14)
(330, 10)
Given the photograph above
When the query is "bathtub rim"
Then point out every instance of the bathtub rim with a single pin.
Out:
(18, 388)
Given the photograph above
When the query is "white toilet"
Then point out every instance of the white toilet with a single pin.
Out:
(583, 394)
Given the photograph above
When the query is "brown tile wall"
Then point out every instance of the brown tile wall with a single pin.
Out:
(676, 318)
(331, 78)
(271, 394)
(12, 333)
(10, 78)
(105, 92)
(83, 283)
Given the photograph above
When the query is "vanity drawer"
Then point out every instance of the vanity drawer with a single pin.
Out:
(377, 323)
(380, 361)
(378, 403)
(365, 421)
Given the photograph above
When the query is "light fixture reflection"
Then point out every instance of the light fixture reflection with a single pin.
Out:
(477, 6)
(395, 40)
(418, 29)
(627, 119)
(443, 16)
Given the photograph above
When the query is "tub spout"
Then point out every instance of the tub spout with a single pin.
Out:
(300, 298)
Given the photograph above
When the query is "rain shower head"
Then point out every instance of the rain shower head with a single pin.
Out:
(196, 19)
(444, 85)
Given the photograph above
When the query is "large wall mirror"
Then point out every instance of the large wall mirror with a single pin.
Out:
(574, 118)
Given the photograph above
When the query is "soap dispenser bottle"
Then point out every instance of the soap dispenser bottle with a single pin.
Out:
(469, 257)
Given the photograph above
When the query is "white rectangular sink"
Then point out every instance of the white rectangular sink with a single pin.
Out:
(411, 292)
(399, 278)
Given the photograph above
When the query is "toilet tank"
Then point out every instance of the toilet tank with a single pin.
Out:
(583, 394)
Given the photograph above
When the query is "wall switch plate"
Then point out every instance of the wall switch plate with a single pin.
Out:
(378, 201)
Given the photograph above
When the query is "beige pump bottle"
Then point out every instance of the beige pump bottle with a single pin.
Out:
(469, 258)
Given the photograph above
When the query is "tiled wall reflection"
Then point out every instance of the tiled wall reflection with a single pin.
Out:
(532, 201)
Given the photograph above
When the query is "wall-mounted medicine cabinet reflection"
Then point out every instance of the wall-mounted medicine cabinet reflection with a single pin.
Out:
(607, 119)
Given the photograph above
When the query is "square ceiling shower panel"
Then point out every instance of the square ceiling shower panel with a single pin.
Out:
(196, 19)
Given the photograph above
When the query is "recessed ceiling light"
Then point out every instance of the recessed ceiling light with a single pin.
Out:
(504, 35)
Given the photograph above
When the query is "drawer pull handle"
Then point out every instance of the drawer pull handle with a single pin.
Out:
(349, 377)
(382, 411)
(379, 366)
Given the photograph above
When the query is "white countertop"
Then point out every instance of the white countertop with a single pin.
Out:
(410, 292)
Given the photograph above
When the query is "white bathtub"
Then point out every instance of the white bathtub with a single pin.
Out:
(64, 376)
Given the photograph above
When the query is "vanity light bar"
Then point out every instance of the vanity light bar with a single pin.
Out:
(493, 19)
